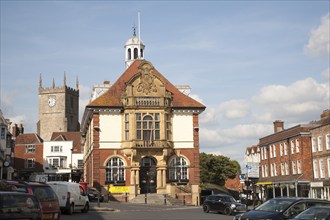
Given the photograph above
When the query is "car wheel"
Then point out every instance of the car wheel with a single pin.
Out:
(206, 208)
(71, 209)
(227, 211)
(86, 208)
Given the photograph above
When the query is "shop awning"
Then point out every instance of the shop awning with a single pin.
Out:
(263, 183)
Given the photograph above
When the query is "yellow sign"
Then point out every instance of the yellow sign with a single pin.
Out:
(119, 189)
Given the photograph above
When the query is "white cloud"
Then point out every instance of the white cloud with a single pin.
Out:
(326, 74)
(84, 98)
(319, 41)
(299, 102)
(234, 109)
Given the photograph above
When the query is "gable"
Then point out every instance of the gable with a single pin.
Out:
(141, 79)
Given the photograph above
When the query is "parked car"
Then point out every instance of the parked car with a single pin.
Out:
(72, 196)
(223, 203)
(281, 208)
(315, 213)
(94, 194)
(15, 205)
(50, 209)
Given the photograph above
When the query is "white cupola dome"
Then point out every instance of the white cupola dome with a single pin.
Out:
(134, 50)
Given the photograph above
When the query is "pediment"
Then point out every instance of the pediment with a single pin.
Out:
(145, 82)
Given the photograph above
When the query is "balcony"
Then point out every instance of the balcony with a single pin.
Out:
(151, 144)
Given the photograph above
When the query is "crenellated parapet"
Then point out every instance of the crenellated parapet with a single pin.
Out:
(59, 89)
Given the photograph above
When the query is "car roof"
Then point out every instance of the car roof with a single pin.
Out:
(14, 193)
(26, 183)
(221, 194)
(299, 198)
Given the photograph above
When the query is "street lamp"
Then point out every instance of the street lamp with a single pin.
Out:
(71, 173)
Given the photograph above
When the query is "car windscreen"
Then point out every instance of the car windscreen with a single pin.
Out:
(275, 205)
(18, 203)
(317, 213)
(44, 193)
(228, 199)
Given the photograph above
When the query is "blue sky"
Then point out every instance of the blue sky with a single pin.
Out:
(249, 62)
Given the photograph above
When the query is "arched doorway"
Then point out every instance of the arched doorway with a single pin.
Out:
(148, 175)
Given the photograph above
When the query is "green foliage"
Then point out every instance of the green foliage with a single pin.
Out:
(217, 168)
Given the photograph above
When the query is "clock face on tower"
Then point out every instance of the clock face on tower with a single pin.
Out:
(51, 101)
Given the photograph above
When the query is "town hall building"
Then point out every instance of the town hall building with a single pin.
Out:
(141, 136)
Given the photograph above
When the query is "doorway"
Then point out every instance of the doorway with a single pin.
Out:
(148, 175)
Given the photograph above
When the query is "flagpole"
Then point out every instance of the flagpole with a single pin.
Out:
(139, 53)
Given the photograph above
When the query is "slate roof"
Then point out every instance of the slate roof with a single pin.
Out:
(28, 139)
(112, 98)
(74, 136)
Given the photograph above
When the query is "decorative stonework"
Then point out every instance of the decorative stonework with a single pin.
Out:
(147, 78)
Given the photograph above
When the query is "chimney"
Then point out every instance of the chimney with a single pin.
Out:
(21, 129)
(14, 130)
(325, 114)
(278, 126)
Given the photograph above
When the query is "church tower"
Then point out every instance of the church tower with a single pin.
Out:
(134, 49)
(58, 109)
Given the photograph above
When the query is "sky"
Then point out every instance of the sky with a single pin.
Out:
(249, 62)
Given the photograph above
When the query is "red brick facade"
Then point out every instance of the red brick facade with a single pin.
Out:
(22, 155)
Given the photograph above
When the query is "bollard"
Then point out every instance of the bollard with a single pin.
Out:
(98, 200)
(184, 200)
(196, 200)
(164, 199)
(145, 198)
(125, 197)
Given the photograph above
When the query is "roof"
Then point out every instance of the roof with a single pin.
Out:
(251, 149)
(112, 97)
(74, 136)
(28, 139)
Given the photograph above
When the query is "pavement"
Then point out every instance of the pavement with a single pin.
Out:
(102, 206)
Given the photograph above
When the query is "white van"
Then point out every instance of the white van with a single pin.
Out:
(71, 196)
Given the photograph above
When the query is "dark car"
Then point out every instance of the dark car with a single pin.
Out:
(223, 203)
(281, 208)
(315, 213)
(15, 205)
(50, 208)
(93, 194)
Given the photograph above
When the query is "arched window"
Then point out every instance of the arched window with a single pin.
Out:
(135, 53)
(129, 53)
(141, 52)
(115, 171)
(178, 170)
(147, 127)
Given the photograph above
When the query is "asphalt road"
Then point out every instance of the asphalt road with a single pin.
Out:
(125, 211)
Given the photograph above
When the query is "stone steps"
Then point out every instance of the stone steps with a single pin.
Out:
(153, 198)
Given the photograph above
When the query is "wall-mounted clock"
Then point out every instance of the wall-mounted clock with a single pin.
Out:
(51, 101)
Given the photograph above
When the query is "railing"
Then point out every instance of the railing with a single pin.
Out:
(150, 144)
(147, 101)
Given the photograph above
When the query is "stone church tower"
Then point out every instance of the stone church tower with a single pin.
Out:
(58, 109)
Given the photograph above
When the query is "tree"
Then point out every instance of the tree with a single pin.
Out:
(217, 168)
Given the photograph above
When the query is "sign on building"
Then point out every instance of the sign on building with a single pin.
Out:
(252, 170)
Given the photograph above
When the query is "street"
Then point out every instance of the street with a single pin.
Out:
(115, 210)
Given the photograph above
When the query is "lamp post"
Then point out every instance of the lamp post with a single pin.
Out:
(71, 173)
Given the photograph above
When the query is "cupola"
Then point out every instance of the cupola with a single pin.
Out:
(134, 49)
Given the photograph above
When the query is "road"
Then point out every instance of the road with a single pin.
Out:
(128, 211)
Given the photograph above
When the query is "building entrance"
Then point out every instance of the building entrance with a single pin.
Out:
(148, 175)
